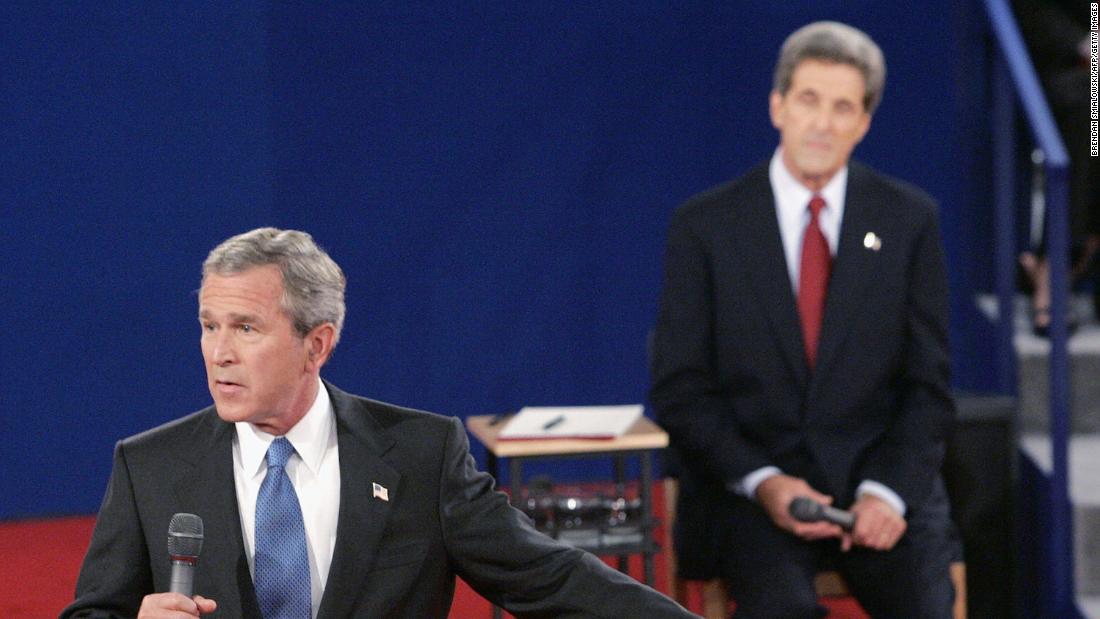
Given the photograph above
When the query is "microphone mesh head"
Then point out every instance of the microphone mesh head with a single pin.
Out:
(185, 536)
(806, 509)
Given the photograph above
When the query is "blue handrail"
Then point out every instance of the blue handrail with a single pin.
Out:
(1014, 78)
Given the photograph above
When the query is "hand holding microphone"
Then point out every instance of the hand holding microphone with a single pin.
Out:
(805, 509)
(184, 545)
(879, 528)
(185, 537)
(775, 494)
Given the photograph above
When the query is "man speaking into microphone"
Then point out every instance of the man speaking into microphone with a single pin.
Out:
(310, 502)
(801, 350)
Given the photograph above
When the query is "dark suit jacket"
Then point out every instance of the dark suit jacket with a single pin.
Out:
(731, 383)
(395, 558)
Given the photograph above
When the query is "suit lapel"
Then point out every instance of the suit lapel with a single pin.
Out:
(362, 518)
(763, 247)
(207, 481)
(853, 269)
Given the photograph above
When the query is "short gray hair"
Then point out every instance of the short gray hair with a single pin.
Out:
(831, 41)
(313, 284)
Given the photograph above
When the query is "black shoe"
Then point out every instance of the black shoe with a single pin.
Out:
(1040, 321)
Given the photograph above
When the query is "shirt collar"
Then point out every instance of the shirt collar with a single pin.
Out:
(792, 196)
(310, 436)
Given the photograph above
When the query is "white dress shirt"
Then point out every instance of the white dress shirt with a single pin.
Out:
(314, 471)
(792, 200)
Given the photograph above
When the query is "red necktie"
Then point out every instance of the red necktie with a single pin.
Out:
(813, 279)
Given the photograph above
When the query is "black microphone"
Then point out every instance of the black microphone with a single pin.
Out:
(806, 509)
(184, 546)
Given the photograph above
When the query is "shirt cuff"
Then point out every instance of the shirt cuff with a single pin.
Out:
(746, 486)
(892, 499)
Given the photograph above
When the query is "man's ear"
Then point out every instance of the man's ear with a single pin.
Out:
(866, 126)
(319, 344)
(775, 106)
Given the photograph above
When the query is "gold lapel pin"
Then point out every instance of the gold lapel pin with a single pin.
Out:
(872, 242)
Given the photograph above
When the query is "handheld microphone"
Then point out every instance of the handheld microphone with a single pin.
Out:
(805, 509)
(184, 545)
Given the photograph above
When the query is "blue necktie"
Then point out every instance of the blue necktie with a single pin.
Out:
(281, 560)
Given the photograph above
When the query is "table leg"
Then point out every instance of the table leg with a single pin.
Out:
(493, 467)
(494, 470)
(620, 491)
(515, 482)
(493, 464)
(645, 493)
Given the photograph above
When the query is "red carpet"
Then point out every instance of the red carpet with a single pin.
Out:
(41, 562)
(42, 559)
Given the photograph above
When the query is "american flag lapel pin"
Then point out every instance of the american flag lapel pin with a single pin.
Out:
(380, 492)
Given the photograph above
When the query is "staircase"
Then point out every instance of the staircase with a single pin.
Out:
(1084, 449)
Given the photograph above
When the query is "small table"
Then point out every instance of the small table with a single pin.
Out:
(640, 440)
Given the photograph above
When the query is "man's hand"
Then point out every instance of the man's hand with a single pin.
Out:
(878, 526)
(174, 606)
(775, 495)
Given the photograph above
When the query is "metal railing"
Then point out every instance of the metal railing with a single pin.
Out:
(1015, 84)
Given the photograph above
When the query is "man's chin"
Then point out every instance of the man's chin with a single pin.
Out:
(816, 170)
(230, 413)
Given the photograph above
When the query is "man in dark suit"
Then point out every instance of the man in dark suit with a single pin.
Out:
(317, 503)
(801, 351)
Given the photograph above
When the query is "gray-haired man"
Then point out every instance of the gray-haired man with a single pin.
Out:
(315, 502)
(801, 351)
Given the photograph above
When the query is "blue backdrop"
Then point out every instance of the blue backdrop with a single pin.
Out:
(495, 180)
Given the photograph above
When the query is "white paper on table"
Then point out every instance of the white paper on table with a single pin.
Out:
(535, 422)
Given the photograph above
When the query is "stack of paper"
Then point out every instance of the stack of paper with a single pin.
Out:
(535, 422)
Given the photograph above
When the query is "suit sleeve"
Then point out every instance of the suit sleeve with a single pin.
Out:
(911, 453)
(115, 575)
(494, 548)
(686, 396)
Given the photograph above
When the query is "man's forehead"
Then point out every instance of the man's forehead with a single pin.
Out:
(235, 316)
(833, 82)
(814, 72)
(251, 292)
(264, 280)
(260, 272)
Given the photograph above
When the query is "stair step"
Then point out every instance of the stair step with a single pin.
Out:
(1080, 305)
(1033, 371)
(1033, 355)
(1033, 364)
(1089, 606)
(1084, 494)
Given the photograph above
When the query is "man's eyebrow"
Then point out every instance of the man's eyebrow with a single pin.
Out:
(233, 317)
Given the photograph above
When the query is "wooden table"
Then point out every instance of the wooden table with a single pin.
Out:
(640, 440)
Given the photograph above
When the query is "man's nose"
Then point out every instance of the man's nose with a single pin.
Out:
(822, 120)
(223, 352)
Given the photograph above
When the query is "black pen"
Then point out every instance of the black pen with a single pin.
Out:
(499, 417)
(553, 422)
